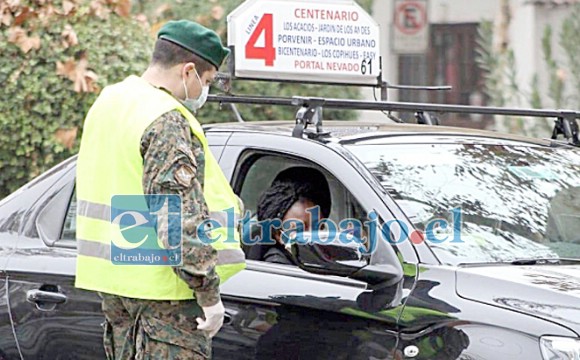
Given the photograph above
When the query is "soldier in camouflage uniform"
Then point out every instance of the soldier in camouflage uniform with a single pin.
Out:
(173, 163)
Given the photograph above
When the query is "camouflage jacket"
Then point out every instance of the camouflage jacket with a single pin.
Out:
(173, 163)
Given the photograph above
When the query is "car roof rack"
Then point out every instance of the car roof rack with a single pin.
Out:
(310, 112)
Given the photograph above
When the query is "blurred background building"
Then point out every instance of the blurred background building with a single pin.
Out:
(515, 71)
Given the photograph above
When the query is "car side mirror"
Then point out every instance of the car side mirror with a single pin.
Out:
(321, 252)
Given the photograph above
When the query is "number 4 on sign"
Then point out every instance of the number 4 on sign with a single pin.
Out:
(268, 52)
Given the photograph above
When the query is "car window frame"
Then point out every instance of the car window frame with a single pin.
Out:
(320, 154)
(254, 156)
(64, 192)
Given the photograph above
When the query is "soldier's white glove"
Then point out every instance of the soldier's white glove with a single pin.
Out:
(214, 319)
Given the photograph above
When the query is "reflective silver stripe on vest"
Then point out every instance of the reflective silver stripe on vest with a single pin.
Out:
(103, 212)
(93, 210)
(94, 249)
(230, 256)
(103, 251)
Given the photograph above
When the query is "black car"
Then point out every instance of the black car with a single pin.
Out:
(504, 284)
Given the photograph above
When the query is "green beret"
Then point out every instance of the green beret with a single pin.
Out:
(196, 38)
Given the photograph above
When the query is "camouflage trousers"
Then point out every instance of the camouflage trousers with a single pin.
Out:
(147, 329)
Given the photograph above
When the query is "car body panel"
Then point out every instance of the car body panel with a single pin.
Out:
(550, 292)
(8, 345)
(282, 312)
(72, 330)
(446, 326)
(278, 311)
(356, 130)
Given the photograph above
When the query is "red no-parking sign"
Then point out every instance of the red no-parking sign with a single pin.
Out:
(410, 26)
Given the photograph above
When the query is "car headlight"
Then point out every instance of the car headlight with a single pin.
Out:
(560, 348)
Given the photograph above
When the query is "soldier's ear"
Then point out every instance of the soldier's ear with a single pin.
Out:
(187, 69)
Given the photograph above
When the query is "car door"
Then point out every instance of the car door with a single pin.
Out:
(8, 347)
(281, 311)
(52, 319)
(9, 213)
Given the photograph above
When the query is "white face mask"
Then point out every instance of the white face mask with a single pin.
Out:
(195, 104)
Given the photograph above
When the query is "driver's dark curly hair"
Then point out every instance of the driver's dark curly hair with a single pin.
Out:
(291, 185)
(278, 198)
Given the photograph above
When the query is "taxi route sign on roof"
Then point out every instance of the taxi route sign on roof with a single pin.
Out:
(326, 41)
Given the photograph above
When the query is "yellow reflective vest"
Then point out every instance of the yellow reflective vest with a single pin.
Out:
(110, 163)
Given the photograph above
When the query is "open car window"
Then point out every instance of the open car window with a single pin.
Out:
(260, 171)
(263, 170)
(69, 230)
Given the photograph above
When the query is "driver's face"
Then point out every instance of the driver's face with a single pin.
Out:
(298, 212)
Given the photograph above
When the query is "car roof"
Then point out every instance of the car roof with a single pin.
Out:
(354, 131)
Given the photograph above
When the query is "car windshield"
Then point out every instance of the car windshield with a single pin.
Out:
(514, 201)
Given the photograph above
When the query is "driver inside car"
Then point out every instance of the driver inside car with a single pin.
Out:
(292, 193)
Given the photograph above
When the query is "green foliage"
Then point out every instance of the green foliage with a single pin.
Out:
(366, 4)
(535, 96)
(213, 15)
(502, 85)
(499, 67)
(556, 87)
(58, 54)
(570, 42)
(211, 113)
(512, 76)
(492, 64)
(41, 110)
